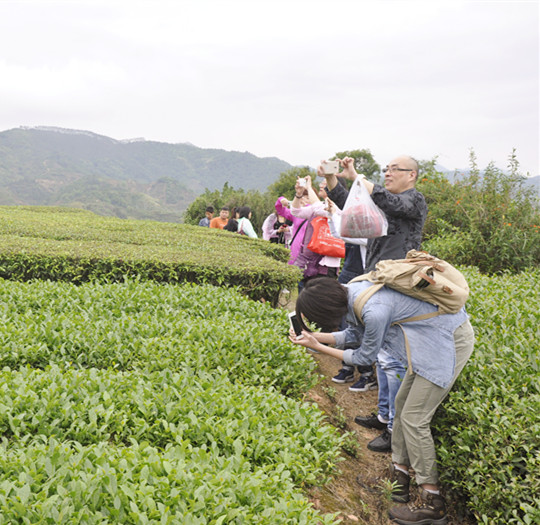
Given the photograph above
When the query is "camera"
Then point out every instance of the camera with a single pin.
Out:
(295, 325)
(330, 167)
(302, 182)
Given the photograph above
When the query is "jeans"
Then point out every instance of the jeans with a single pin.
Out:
(390, 374)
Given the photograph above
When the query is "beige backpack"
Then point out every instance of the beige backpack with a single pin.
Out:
(419, 275)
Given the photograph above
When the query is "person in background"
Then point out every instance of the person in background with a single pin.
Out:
(221, 221)
(244, 224)
(325, 265)
(322, 190)
(301, 256)
(298, 229)
(353, 265)
(406, 211)
(277, 229)
(209, 214)
(232, 224)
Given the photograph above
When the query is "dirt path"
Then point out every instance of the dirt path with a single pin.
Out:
(344, 494)
(353, 502)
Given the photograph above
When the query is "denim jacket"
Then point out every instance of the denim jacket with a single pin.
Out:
(431, 341)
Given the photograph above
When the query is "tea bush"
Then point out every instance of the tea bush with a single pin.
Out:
(146, 326)
(488, 431)
(154, 404)
(489, 220)
(92, 406)
(48, 481)
(63, 244)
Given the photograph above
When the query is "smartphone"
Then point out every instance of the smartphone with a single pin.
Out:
(295, 325)
(330, 167)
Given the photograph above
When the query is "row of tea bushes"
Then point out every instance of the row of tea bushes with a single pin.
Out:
(136, 403)
(92, 406)
(147, 326)
(53, 482)
(488, 431)
(64, 244)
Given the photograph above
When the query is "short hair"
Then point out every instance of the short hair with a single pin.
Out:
(243, 212)
(209, 209)
(224, 208)
(323, 301)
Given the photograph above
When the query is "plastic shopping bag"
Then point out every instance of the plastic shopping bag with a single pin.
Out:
(323, 242)
(361, 217)
(334, 223)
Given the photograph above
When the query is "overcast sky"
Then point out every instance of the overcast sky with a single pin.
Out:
(294, 79)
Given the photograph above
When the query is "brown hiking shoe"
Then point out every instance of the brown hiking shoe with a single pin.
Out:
(428, 509)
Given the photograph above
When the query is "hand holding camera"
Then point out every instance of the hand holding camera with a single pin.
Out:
(330, 167)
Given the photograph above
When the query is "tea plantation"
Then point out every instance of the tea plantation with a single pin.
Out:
(141, 383)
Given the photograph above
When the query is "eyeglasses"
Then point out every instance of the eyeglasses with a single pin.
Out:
(392, 169)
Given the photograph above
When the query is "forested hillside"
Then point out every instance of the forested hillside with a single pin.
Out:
(128, 179)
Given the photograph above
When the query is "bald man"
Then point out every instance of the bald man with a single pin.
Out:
(406, 211)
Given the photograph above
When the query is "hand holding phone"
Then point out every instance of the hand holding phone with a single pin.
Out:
(295, 325)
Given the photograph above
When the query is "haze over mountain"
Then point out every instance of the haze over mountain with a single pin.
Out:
(126, 178)
(131, 178)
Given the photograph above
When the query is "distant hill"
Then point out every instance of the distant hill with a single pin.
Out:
(129, 179)
(533, 182)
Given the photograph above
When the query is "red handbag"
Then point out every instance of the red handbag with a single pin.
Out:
(322, 241)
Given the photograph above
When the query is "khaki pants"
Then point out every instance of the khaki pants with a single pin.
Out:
(415, 404)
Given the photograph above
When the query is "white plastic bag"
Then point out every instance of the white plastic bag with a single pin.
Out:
(361, 217)
(335, 229)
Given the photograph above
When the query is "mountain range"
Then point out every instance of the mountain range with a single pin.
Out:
(134, 178)
(130, 179)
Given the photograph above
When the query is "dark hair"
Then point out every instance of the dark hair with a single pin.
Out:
(244, 212)
(224, 208)
(324, 302)
(232, 225)
(209, 209)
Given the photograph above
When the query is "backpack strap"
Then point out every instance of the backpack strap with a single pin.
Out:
(363, 298)
(421, 317)
(296, 232)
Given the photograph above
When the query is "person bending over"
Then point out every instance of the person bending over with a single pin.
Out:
(439, 349)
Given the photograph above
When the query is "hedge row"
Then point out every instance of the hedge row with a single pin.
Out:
(92, 406)
(154, 404)
(488, 431)
(148, 327)
(63, 244)
(54, 482)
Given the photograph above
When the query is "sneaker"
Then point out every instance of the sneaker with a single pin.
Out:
(427, 509)
(383, 443)
(345, 375)
(364, 384)
(372, 421)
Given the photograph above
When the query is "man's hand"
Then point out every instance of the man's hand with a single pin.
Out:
(348, 168)
(331, 179)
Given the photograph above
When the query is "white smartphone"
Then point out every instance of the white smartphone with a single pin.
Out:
(295, 325)
(330, 167)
